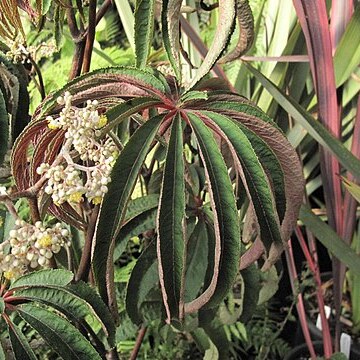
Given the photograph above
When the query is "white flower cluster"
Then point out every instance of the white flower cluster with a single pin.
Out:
(19, 52)
(71, 181)
(30, 246)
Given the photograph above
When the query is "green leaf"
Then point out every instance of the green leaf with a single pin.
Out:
(63, 337)
(143, 278)
(226, 222)
(2, 305)
(19, 343)
(2, 352)
(221, 38)
(139, 224)
(127, 20)
(314, 127)
(47, 277)
(144, 28)
(330, 240)
(4, 128)
(140, 205)
(259, 189)
(45, 6)
(122, 111)
(124, 175)
(353, 188)
(171, 217)
(92, 298)
(252, 286)
(197, 260)
(347, 55)
(169, 21)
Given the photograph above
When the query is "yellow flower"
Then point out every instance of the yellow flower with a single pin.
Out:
(9, 274)
(76, 197)
(96, 200)
(45, 241)
(52, 126)
(103, 120)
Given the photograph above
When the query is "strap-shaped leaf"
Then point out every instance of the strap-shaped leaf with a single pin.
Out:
(144, 28)
(139, 205)
(226, 222)
(124, 175)
(47, 277)
(4, 128)
(314, 127)
(143, 278)
(255, 177)
(170, 226)
(63, 337)
(170, 19)
(221, 38)
(137, 225)
(19, 343)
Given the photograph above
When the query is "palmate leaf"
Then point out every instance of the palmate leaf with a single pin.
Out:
(124, 175)
(63, 337)
(170, 225)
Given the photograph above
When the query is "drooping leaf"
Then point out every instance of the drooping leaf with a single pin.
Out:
(143, 278)
(169, 26)
(255, 179)
(314, 127)
(221, 38)
(63, 337)
(47, 277)
(328, 237)
(170, 226)
(4, 128)
(124, 175)
(139, 205)
(144, 28)
(246, 28)
(19, 343)
(226, 222)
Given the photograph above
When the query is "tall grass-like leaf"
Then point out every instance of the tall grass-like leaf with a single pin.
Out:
(144, 28)
(328, 237)
(314, 128)
(124, 175)
(4, 128)
(127, 19)
(226, 222)
(221, 37)
(341, 11)
(171, 225)
(347, 55)
(19, 343)
(63, 337)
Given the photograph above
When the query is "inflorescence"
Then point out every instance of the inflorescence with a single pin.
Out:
(30, 247)
(72, 181)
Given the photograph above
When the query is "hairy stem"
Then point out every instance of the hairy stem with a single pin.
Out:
(84, 266)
